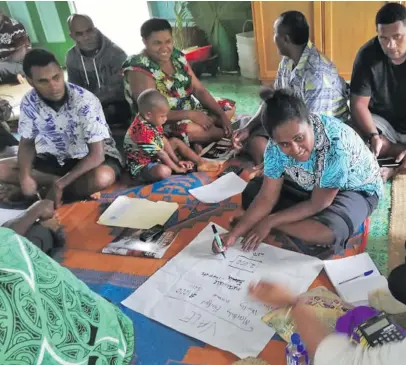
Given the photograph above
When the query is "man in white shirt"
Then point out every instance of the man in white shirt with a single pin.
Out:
(335, 349)
(66, 144)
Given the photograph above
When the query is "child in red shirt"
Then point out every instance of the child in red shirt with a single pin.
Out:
(149, 155)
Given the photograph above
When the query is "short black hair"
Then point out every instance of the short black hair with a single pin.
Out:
(391, 13)
(149, 99)
(154, 25)
(281, 106)
(38, 57)
(296, 26)
(396, 283)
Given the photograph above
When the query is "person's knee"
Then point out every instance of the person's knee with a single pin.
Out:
(175, 142)
(386, 147)
(396, 283)
(256, 146)
(104, 177)
(196, 133)
(251, 191)
(161, 172)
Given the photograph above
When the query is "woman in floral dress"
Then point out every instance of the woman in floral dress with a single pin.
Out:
(195, 115)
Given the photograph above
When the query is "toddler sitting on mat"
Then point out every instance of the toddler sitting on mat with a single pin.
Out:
(150, 156)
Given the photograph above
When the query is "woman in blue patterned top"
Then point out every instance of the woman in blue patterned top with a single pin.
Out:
(335, 172)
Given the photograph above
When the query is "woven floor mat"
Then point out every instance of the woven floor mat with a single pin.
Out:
(397, 225)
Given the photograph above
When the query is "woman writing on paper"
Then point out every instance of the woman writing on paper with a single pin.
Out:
(335, 349)
(336, 174)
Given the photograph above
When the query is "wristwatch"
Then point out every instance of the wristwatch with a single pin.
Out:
(372, 135)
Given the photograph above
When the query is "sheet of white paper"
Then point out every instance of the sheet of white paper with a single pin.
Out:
(205, 295)
(356, 292)
(220, 189)
(137, 213)
(349, 267)
(7, 214)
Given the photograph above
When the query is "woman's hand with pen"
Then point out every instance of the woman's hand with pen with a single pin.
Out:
(228, 240)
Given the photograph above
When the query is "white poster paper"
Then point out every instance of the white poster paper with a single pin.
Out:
(205, 295)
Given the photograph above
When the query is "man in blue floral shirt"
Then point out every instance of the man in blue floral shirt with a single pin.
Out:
(303, 70)
(66, 144)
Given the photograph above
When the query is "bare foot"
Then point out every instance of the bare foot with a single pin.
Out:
(387, 173)
(209, 166)
(95, 196)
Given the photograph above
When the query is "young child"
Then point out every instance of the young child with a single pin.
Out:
(150, 156)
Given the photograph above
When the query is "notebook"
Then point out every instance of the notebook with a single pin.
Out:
(137, 213)
(355, 291)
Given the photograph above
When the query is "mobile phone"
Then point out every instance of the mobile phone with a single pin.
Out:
(152, 234)
(388, 162)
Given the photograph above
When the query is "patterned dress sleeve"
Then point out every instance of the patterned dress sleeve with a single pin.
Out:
(274, 161)
(140, 63)
(27, 127)
(92, 119)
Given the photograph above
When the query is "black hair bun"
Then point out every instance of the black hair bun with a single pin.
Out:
(266, 93)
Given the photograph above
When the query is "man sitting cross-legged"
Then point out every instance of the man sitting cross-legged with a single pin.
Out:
(65, 144)
(378, 87)
(306, 72)
(150, 156)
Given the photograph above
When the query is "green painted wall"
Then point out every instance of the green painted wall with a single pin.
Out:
(58, 44)
(163, 9)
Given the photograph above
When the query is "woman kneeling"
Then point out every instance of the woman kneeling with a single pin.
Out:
(331, 165)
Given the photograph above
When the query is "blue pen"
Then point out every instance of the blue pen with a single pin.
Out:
(366, 273)
(218, 239)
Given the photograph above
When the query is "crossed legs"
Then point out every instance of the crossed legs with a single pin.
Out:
(91, 182)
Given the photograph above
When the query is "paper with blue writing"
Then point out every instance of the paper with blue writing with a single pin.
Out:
(204, 295)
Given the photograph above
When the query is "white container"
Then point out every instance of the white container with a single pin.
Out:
(247, 55)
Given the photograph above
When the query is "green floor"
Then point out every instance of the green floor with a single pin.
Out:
(245, 93)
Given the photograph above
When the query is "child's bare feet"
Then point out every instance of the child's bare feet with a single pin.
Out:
(209, 166)
(95, 196)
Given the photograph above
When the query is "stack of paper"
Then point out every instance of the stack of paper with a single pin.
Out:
(355, 291)
(137, 213)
